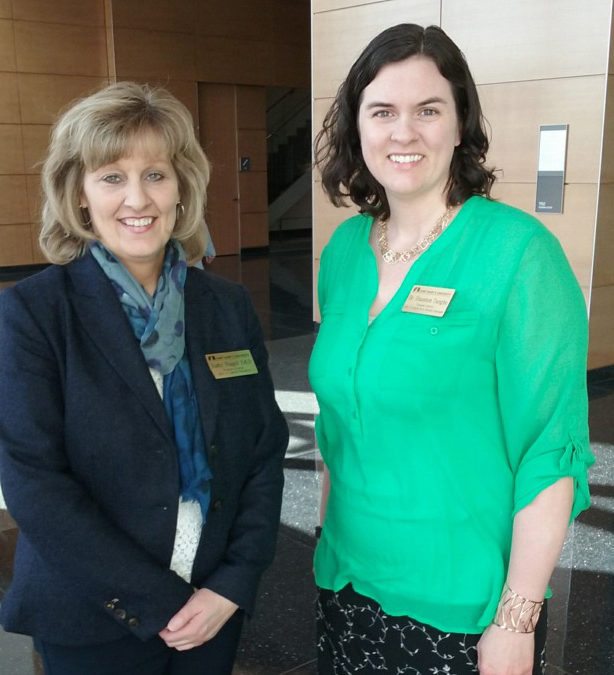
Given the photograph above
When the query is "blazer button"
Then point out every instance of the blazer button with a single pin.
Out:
(133, 622)
(217, 505)
(214, 451)
(120, 614)
(110, 604)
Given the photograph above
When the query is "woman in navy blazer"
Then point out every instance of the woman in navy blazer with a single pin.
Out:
(140, 443)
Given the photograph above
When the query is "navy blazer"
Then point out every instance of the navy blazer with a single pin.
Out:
(88, 463)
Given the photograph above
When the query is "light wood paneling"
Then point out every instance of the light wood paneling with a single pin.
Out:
(160, 15)
(37, 254)
(79, 12)
(327, 5)
(326, 219)
(220, 59)
(603, 271)
(254, 230)
(251, 107)
(35, 144)
(529, 39)
(252, 144)
(151, 54)
(7, 46)
(6, 11)
(607, 160)
(9, 99)
(13, 200)
(218, 136)
(11, 153)
(15, 245)
(515, 110)
(60, 49)
(241, 19)
(253, 192)
(339, 37)
(574, 228)
(601, 344)
(34, 192)
(42, 96)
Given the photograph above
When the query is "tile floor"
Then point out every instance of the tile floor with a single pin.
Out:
(279, 640)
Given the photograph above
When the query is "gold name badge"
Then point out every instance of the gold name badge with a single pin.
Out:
(231, 364)
(429, 300)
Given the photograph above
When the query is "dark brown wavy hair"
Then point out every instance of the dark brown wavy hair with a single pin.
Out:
(338, 154)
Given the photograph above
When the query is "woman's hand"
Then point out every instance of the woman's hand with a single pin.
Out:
(198, 620)
(501, 652)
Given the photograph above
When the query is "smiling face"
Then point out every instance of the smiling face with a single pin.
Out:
(408, 129)
(132, 205)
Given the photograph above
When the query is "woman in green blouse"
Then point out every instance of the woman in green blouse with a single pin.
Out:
(450, 371)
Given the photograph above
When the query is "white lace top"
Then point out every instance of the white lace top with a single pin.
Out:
(189, 522)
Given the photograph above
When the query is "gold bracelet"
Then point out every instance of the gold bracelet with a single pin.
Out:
(515, 613)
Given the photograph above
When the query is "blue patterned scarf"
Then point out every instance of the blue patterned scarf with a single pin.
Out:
(158, 323)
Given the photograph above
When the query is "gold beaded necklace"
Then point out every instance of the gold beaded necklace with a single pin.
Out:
(392, 257)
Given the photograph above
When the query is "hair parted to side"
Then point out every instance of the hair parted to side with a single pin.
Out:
(102, 128)
(337, 146)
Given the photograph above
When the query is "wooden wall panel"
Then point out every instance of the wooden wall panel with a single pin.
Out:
(153, 54)
(218, 136)
(607, 163)
(158, 15)
(11, 149)
(228, 59)
(529, 39)
(251, 108)
(7, 46)
(37, 255)
(253, 191)
(6, 10)
(79, 12)
(327, 5)
(515, 110)
(60, 49)
(574, 228)
(291, 66)
(15, 245)
(603, 270)
(43, 96)
(13, 200)
(9, 99)
(243, 19)
(254, 230)
(340, 36)
(295, 17)
(601, 344)
(35, 143)
(252, 144)
(34, 192)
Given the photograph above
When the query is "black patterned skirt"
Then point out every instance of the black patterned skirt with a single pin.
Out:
(356, 636)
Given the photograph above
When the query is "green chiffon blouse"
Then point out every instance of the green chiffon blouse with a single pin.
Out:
(436, 431)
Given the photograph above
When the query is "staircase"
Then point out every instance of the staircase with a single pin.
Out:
(289, 160)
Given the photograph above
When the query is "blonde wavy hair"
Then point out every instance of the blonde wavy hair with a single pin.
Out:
(100, 129)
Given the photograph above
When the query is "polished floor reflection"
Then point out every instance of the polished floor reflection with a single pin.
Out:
(280, 638)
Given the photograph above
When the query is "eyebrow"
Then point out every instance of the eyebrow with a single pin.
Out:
(428, 101)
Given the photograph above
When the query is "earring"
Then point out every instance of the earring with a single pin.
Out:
(85, 215)
(180, 211)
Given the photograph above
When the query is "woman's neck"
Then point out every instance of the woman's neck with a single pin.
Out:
(410, 221)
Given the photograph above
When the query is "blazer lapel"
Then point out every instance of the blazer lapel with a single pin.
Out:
(200, 324)
(104, 320)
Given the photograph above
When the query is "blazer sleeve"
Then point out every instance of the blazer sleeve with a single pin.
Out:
(252, 538)
(62, 527)
(541, 372)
